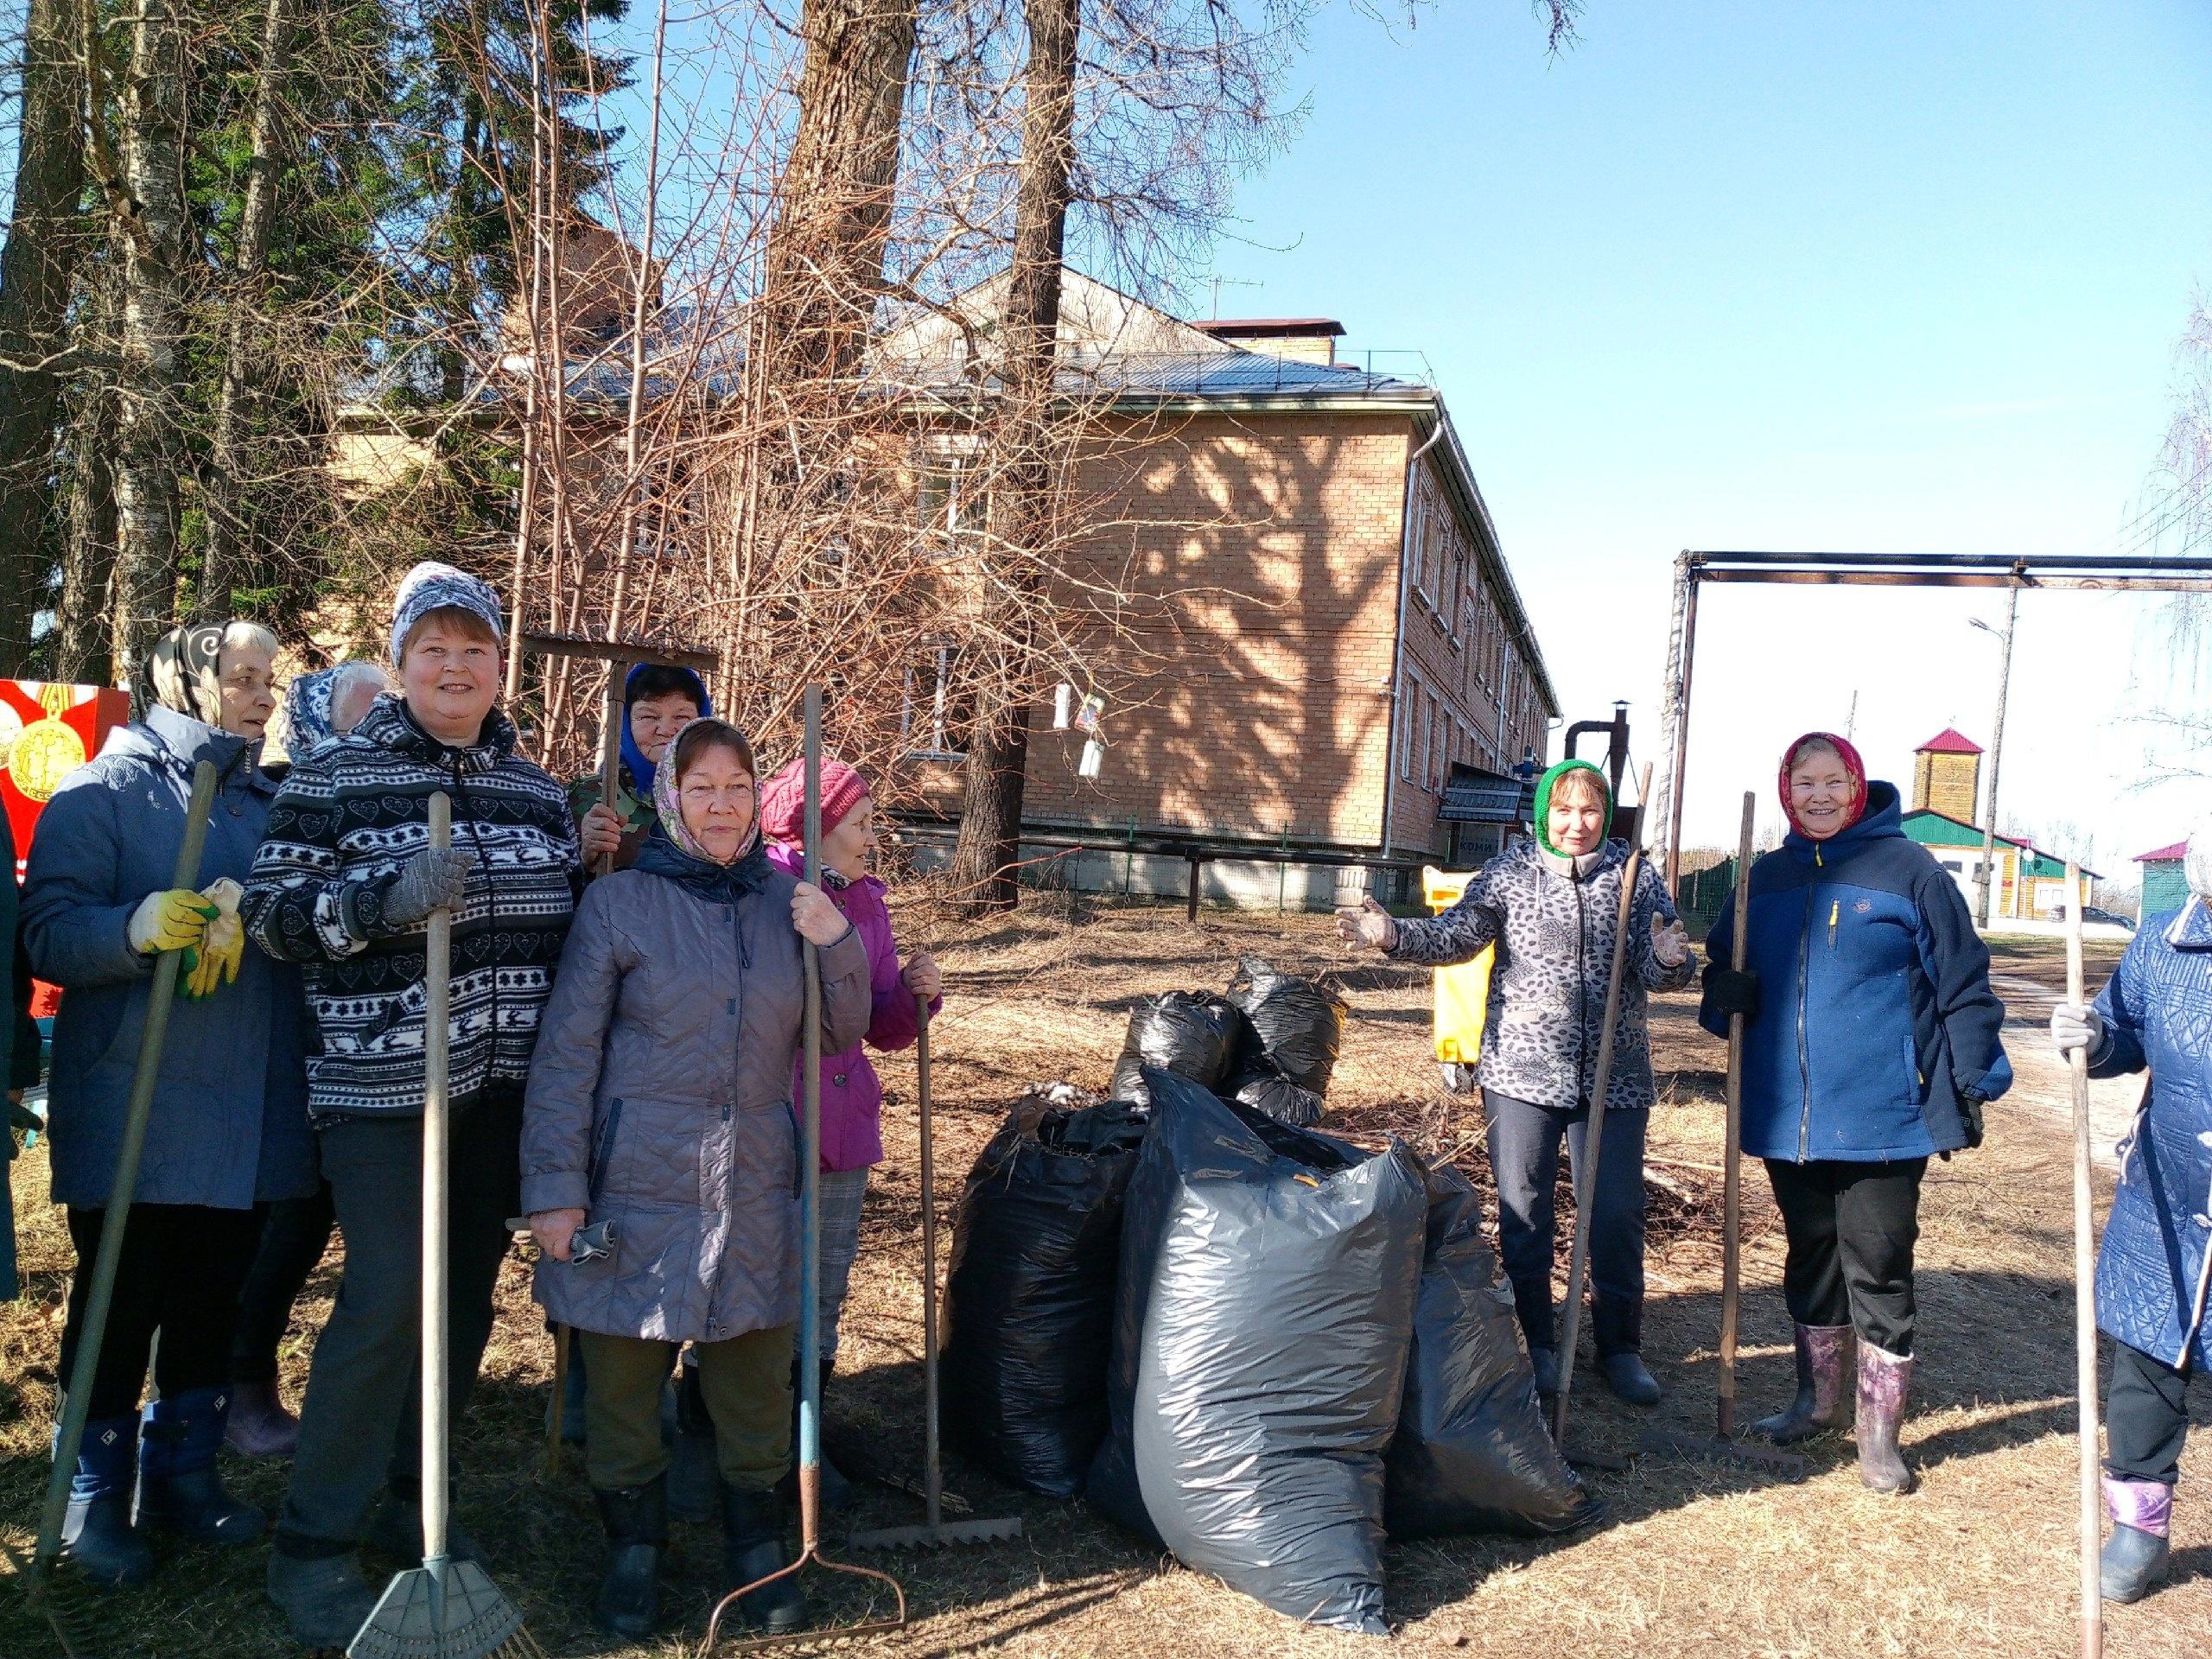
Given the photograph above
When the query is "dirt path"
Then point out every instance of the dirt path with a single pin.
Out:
(1694, 1560)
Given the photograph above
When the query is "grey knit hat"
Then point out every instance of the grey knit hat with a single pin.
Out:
(431, 586)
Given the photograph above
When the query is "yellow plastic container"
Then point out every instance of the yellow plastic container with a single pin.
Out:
(1462, 994)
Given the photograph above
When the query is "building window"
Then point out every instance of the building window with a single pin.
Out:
(935, 712)
(951, 503)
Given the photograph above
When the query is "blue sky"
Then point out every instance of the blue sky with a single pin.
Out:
(1870, 277)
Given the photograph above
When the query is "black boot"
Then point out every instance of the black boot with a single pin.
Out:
(2137, 1554)
(97, 1533)
(1618, 1328)
(752, 1548)
(1884, 1384)
(1824, 1388)
(691, 1471)
(179, 1490)
(637, 1530)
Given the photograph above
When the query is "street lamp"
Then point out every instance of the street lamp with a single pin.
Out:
(1986, 893)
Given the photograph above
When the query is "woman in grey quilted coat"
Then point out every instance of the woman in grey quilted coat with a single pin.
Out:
(1550, 906)
(660, 1104)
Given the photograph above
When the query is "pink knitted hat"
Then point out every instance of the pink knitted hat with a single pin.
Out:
(782, 799)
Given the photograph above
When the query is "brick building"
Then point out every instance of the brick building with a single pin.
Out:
(2030, 882)
(1323, 622)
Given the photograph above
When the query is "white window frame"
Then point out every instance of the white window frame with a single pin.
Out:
(1409, 717)
(933, 713)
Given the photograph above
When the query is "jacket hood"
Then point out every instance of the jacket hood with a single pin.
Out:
(389, 726)
(642, 770)
(1883, 819)
(165, 738)
(1549, 781)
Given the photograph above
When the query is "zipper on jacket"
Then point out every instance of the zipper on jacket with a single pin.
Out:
(1836, 913)
(1804, 989)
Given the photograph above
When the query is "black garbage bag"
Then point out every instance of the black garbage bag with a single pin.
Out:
(1259, 1085)
(1029, 1297)
(1194, 1034)
(1471, 1452)
(1299, 1022)
(1268, 1276)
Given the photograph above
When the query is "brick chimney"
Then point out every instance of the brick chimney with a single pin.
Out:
(1301, 340)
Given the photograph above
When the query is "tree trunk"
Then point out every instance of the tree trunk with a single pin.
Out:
(45, 242)
(824, 269)
(229, 555)
(148, 428)
(985, 859)
(80, 621)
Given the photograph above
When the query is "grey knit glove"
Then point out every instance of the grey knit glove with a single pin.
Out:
(426, 880)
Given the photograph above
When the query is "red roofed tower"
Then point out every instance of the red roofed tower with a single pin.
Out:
(1947, 775)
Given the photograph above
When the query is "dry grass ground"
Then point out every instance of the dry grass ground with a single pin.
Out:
(1692, 1559)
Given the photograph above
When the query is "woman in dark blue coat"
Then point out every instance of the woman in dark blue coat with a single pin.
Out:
(2154, 1015)
(1870, 1042)
(229, 1127)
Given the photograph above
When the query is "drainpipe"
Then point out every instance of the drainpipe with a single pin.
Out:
(1398, 647)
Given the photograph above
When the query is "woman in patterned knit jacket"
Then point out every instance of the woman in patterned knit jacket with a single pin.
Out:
(1551, 906)
(344, 885)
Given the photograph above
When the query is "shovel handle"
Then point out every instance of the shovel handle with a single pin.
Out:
(810, 1254)
(932, 1473)
(437, 992)
(1732, 1179)
(2085, 1276)
(77, 1403)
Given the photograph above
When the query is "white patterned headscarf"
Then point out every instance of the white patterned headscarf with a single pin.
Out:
(431, 586)
(2198, 865)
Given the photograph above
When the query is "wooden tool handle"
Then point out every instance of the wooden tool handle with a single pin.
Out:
(1731, 1179)
(2085, 1278)
(437, 991)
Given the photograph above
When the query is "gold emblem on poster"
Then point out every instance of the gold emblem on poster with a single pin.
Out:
(42, 755)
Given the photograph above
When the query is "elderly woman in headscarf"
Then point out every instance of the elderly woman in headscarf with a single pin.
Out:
(345, 885)
(2154, 1015)
(229, 1124)
(318, 706)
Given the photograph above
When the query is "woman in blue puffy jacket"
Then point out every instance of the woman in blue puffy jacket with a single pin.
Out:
(1871, 1040)
(2154, 1015)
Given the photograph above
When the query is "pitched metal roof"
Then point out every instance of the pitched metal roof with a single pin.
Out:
(2164, 855)
(1949, 742)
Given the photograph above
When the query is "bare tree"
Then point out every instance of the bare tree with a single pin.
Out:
(37, 267)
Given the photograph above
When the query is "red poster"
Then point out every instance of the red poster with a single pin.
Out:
(47, 732)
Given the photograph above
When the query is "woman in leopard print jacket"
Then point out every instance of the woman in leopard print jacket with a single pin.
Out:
(1550, 906)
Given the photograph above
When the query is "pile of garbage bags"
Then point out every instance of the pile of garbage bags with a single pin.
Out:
(1271, 1043)
(1301, 1348)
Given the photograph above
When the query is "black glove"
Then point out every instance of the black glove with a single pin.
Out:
(1970, 1114)
(1730, 990)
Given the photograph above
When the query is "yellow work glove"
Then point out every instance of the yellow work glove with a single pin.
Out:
(173, 920)
(222, 947)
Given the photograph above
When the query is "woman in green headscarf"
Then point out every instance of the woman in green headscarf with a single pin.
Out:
(1550, 905)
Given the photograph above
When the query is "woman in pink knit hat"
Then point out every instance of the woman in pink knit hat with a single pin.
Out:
(852, 1097)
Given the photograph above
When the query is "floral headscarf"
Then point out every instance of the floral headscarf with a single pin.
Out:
(1853, 767)
(668, 801)
(183, 673)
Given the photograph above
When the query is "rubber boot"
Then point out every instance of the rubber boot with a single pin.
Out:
(1545, 1361)
(324, 1598)
(259, 1427)
(2136, 1555)
(179, 1488)
(637, 1530)
(97, 1533)
(752, 1548)
(1618, 1328)
(1884, 1382)
(1823, 1401)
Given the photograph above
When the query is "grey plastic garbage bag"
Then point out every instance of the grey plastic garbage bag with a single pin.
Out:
(1471, 1453)
(1268, 1275)
(1029, 1297)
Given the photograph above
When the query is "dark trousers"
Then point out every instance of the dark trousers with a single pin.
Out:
(2147, 1417)
(1525, 1143)
(182, 1267)
(1852, 1228)
(293, 1236)
(361, 1425)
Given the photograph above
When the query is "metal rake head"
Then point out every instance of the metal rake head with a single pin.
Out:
(945, 1535)
(64, 1598)
(450, 1610)
(1730, 1454)
(823, 1636)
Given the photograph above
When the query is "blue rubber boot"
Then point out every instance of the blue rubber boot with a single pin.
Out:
(97, 1533)
(179, 1490)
